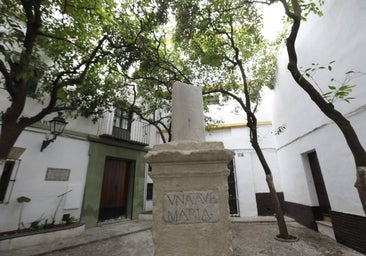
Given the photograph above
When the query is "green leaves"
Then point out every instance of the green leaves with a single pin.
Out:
(311, 7)
(341, 93)
(280, 129)
(338, 90)
(309, 72)
(219, 35)
(89, 46)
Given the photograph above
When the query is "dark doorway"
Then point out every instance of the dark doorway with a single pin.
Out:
(233, 200)
(113, 202)
(319, 184)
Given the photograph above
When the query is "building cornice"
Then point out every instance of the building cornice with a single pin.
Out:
(234, 125)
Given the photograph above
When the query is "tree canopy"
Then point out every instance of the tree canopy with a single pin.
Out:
(70, 55)
(225, 38)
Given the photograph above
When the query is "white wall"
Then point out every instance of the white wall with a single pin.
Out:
(30, 180)
(339, 35)
(67, 152)
(249, 172)
(336, 164)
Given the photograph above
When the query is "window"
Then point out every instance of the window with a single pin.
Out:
(6, 179)
(212, 99)
(120, 119)
(149, 192)
(121, 125)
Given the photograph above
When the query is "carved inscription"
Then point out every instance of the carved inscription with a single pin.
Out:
(191, 207)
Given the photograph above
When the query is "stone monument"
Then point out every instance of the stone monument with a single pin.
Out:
(190, 197)
(187, 117)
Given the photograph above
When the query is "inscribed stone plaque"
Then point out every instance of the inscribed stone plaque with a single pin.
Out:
(57, 174)
(191, 207)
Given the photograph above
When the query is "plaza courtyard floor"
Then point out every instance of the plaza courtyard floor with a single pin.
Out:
(133, 238)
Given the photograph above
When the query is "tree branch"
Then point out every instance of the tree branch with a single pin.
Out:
(268, 2)
(52, 36)
(57, 85)
(8, 82)
(234, 96)
(33, 13)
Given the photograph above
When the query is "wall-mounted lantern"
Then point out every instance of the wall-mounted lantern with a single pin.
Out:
(57, 125)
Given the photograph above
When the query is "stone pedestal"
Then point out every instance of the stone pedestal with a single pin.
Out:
(190, 200)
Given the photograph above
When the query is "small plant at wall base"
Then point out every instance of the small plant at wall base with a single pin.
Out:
(37, 224)
(36, 227)
(69, 219)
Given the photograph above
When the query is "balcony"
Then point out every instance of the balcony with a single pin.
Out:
(138, 131)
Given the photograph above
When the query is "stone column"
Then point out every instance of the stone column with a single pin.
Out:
(187, 117)
(190, 197)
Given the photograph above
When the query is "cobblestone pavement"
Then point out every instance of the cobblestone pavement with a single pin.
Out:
(249, 239)
(134, 244)
(257, 239)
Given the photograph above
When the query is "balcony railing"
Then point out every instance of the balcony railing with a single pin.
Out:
(140, 130)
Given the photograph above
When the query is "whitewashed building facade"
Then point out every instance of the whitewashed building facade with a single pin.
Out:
(77, 175)
(312, 144)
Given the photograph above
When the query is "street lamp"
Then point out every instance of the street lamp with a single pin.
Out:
(57, 125)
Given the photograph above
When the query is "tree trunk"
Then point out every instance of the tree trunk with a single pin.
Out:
(353, 142)
(277, 208)
(10, 125)
(9, 135)
(282, 227)
(360, 184)
(252, 125)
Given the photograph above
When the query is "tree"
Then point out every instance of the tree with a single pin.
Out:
(294, 10)
(157, 69)
(226, 37)
(150, 83)
(69, 55)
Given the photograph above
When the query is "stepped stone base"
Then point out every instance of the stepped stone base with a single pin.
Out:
(326, 228)
(190, 210)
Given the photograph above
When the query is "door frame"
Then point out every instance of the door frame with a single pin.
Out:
(130, 184)
(313, 188)
(233, 182)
